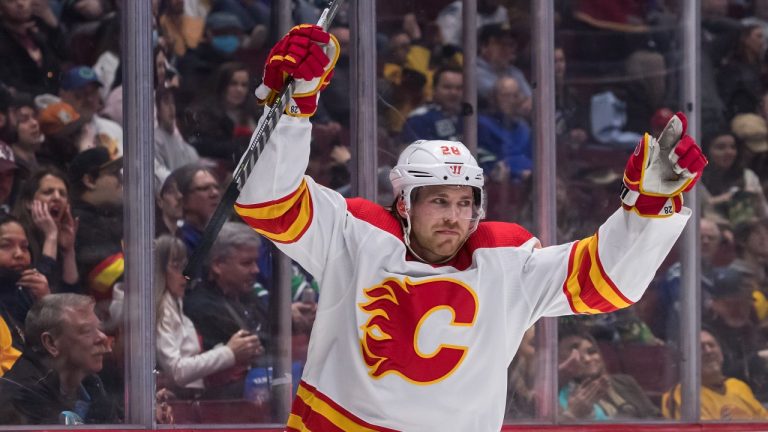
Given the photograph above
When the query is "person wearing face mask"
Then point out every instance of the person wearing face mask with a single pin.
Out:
(221, 41)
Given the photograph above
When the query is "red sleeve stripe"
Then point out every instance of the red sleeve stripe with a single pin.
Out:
(284, 220)
(587, 286)
(314, 411)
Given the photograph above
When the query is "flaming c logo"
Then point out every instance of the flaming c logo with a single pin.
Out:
(397, 310)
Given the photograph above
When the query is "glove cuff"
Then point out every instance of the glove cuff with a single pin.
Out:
(650, 206)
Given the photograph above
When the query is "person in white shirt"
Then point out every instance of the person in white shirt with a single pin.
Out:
(179, 354)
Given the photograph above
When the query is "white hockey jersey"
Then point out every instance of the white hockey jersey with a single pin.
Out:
(403, 345)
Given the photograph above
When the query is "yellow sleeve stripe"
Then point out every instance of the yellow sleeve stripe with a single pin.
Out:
(587, 287)
(282, 221)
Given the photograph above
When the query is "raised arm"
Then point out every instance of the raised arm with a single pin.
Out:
(611, 269)
(277, 200)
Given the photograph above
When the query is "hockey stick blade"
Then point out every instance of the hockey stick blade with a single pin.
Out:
(247, 162)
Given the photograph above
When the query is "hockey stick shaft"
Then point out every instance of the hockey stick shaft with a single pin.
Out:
(248, 161)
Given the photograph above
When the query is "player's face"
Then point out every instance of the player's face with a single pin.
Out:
(441, 217)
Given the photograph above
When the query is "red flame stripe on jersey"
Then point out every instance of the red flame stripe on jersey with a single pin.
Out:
(314, 411)
(588, 288)
(284, 220)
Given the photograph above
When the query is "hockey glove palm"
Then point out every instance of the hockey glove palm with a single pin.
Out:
(659, 171)
(308, 54)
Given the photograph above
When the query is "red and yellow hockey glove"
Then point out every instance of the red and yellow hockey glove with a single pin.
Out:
(308, 54)
(659, 171)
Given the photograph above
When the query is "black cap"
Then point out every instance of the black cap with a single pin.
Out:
(729, 282)
(90, 161)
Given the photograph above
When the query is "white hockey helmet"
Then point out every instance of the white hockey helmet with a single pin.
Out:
(442, 163)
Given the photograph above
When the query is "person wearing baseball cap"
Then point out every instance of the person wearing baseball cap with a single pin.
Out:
(80, 88)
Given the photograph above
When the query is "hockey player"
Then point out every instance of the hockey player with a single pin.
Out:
(423, 306)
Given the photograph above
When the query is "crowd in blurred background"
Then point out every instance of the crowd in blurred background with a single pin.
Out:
(617, 75)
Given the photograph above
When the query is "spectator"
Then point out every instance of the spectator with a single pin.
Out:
(504, 133)
(751, 241)
(222, 122)
(335, 102)
(66, 134)
(731, 192)
(57, 372)
(497, 52)
(739, 79)
(449, 20)
(226, 302)
(97, 201)
(731, 319)
(253, 15)
(752, 130)
(441, 119)
(667, 319)
(171, 150)
(33, 50)
(29, 137)
(9, 178)
(80, 88)
(521, 396)
(20, 284)
(406, 72)
(7, 121)
(8, 354)
(183, 31)
(722, 397)
(200, 194)
(571, 122)
(169, 213)
(44, 210)
(79, 15)
(645, 88)
(166, 76)
(178, 349)
(588, 391)
(222, 39)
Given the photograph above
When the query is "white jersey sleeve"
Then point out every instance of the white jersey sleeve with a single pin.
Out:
(602, 273)
(282, 204)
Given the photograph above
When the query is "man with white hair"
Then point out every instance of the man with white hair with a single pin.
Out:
(422, 306)
(55, 378)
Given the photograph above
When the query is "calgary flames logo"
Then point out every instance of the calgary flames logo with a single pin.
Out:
(397, 310)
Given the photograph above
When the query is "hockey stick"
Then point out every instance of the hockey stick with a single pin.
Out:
(248, 161)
